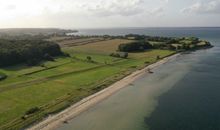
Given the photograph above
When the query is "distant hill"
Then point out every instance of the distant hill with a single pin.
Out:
(35, 31)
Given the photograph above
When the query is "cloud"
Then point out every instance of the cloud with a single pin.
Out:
(157, 11)
(166, 1)
(124, 7)
(115, 7)
(10, 7)
(212, 7)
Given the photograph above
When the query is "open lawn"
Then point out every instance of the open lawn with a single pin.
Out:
(56, 85)
(75, 41)
(104, 47)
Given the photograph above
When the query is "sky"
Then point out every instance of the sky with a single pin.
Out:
(108, 13)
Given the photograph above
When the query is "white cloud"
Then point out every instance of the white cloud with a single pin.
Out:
(106, 13)
(115, 7)
(156, 11)
(79, 13)
(10, 7)
(212, 7)
(166, 1)
(125, 7)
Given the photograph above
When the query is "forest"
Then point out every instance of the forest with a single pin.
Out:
(30, 51)
(135, 46)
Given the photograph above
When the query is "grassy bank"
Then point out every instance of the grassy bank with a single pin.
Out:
(59, 84)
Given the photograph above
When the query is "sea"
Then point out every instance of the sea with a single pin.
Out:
(182, 94)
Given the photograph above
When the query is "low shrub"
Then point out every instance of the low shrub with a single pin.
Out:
(32, 110)
(2, 76)
(120, 55)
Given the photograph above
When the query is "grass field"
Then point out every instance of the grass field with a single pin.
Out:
(75, 41)
(104, 47)
(56, 85)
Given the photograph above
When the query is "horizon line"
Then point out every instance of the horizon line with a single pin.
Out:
(110, 27)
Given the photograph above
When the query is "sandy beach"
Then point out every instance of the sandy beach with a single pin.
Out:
(56, 120)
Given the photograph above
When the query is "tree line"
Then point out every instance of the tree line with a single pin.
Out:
(30, 51)
(134, 46)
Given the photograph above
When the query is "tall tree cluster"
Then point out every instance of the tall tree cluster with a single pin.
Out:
(26, 51)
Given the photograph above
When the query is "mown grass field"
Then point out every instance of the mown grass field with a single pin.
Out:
(75, 41)
(56, 85)
(103, 47)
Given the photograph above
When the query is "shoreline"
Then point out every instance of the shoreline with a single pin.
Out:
(56, 120)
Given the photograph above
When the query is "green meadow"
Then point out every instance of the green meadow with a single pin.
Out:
(55, 85)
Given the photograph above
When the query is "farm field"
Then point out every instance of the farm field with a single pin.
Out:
(103, 47)
(55, 85)
(76, 41)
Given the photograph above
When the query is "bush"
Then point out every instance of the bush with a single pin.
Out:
(186, 46)
(120, 55)
(171, 47)
(66, 55)
(112, 54)
(89, 58)
(133, 66)
(124, 55)
(115, 55)
(2, 76)
(32, 110)
(158, 57)
(135, 36)
(146, 62)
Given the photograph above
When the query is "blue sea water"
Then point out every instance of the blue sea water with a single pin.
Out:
(211, 32)
(183, 94)
(194, 102)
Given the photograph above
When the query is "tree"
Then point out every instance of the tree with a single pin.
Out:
(186, 46)
(120, 55)
(32, 110)
(158, 57)
(27, 51)
(134, 46)
(89, 58)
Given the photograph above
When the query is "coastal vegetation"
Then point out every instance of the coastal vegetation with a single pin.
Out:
(92, 63)
(29, 51)
(28, 32)
(171, 43)
(135, 46)
(2, 76)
